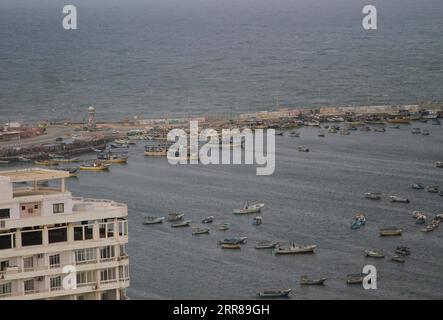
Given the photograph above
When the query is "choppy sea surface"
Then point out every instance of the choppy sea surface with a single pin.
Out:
(157, 58)
(311, 198)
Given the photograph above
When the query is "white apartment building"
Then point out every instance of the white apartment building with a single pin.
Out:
(45, 234)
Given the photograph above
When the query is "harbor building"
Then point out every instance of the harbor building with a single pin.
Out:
(47, 237)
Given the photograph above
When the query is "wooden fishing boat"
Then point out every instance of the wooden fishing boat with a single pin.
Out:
(265, 244)
(373, 195)
(112, 158)
(397, 258)
(197, 230)
(355, 278)
(295, 249)
(374, 254)
(223, 226)
(399, 199)
(439, 164)
(185, 223)
(387, 232)
(209, 219)
(153, 220)
(304, 280)
(275, 293)
(175, 216)
(249, 208)
(95, 166)
(155, 151)
(302, 149)
(432, 189)
(257, 221)
(230, 246)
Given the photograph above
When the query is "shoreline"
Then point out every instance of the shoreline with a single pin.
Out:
(70, 138)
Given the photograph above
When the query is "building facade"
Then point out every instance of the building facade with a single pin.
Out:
(56, 246)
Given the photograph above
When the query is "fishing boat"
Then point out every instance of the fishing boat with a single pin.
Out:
(374, 254)
(426, 133)
(185, 223)
(198, 230)
(257, 221)
(73, 172)
(379, 129)
(402, 251)
(155, 151)
(360, 220)
(95, 166)
(153, 220)
(114, 145)
(265, 244)
(439, 164)
(279, 133)
(420, 217)
(295, 249)
(208, 219)
(432, 189)
(394, 127)
(23, 159)
(223, 226)
(304, 280)
(398, 199)
(397, 258)
(373, 195)
(236, 240)
(302, 149)
(416, 131)
(249, 208)
(275, 293)
(294, 134)
(428, 228)
(356, 278)
(417, 186)
(175, 216)
(112, 158)
(321, 134)
(230, 246)
(387, 232)
(46, 163)
(398, 120)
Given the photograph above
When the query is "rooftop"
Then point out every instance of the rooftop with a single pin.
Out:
(34, 174)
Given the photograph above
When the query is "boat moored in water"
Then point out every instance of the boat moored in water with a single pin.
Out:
(432, 189)
(265, 244)
(275, 293)
(416, 131)
(374, 254)
(208, 219)
(230, 246)
(295, 249)
(304, 280)
(373, 195)
(249, 208)
(356, 278)
(236, 240)
(95, 166)
(153, 220)
(417, 186)
(198, 230)
(185, 223)
(387, 232)
(302, 149)
(399, 199)
(175, 216)
(223, 226)
(257, 221)
(439, 164)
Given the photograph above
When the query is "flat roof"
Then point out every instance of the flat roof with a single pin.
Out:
(33, 174)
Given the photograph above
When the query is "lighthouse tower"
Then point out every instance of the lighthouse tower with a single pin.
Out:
(91, 118)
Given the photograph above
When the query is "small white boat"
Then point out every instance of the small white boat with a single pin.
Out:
(302, 149)
(198, 230)
(185, 223)
(374, 254)
(294, 249)
(389, 232)
(265, 244)
(153, 220)
(237, 240)
(399, 199)
(373, 195)
(249, 208)
(439, 164)
(175, 216)
(223, 226)
(208, 219)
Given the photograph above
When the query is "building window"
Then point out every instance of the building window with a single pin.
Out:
(107, 230)
(107, 275)
(85, 278)
(29, 286)
(107, 253)
(5, 289)
(58, 235)
(123, 251)
(55, 283)
(85, 255)
(59, 208)
(123, 272)
(7, 241)
(28, 264)
(80, 297)
(54, 261)
(123, 228)
(32, 238)
(5, 213)
(4, 265)
(84, 232)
